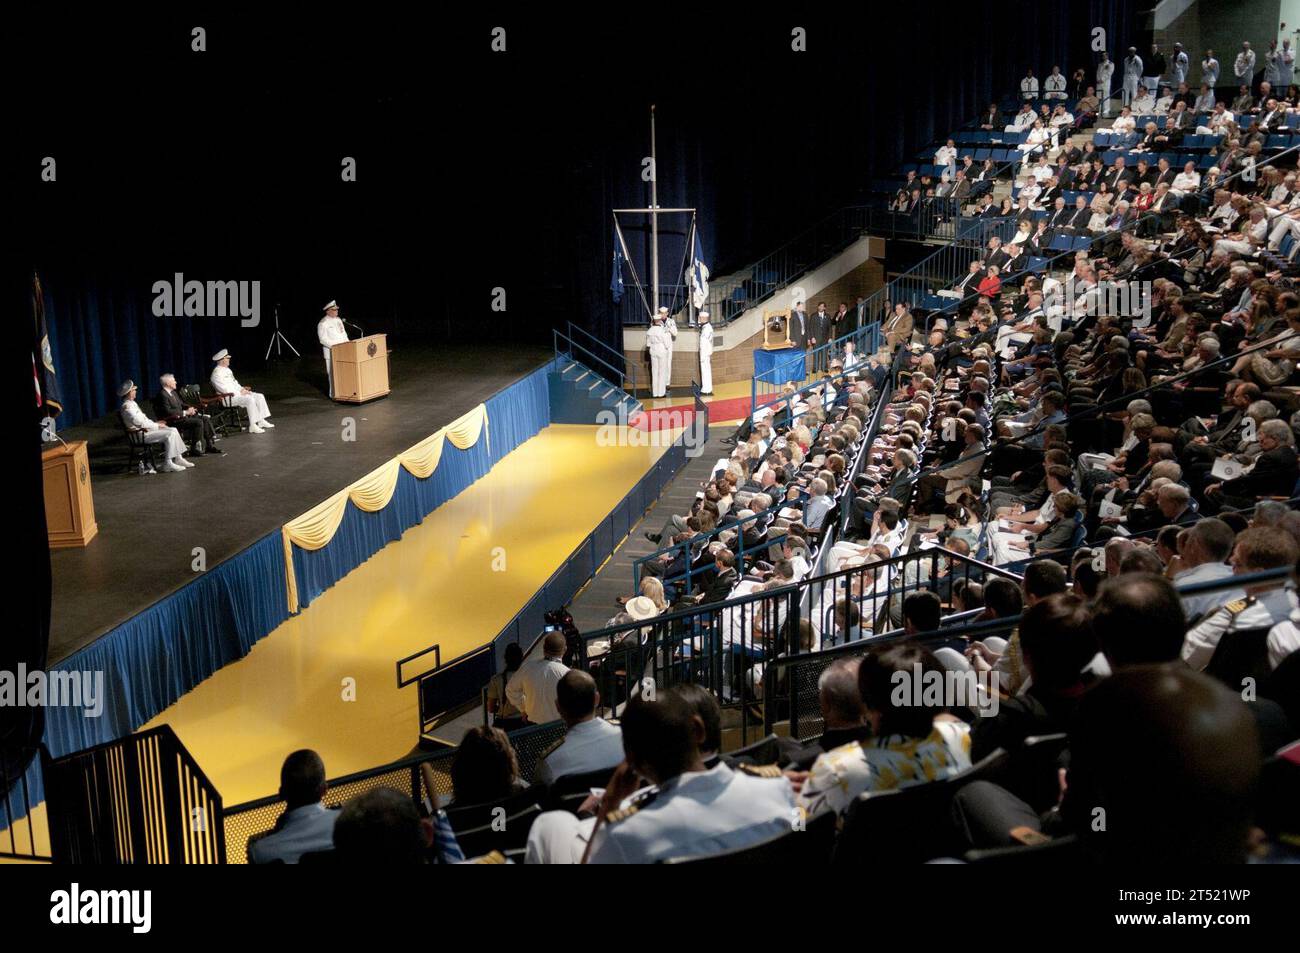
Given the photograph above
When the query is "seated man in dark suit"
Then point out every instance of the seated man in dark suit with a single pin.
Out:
(194, 425)
(1274, 472)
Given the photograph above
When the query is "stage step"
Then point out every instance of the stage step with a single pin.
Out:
(581, 396)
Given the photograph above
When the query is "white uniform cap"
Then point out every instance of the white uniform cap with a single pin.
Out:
(125, 388)
(332, 304)
(221, 355)
(704, 314)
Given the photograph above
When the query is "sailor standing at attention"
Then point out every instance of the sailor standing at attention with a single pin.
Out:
(706, 353)
(660, 344)
(154, 432)
(670, 325)
(330, 331)
(223, 381)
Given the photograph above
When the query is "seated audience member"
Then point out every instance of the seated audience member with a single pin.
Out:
(1056, 644)
(1266, 604)
(532, 689)
(306, 825)
(844, 718)
(1203, 557)
(1138, 620)
(589, 743)
(913, 741)
(505, 715)
(1148, 731)
(484, 769)
(691, 810)
(383, 827)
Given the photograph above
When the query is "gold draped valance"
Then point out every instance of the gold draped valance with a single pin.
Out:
(315, 528)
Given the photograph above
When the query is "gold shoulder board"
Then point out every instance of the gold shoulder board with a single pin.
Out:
(760, 770)
(493, 857)
(1236, 606)
(622, 814)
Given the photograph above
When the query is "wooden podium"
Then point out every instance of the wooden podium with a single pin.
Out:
(69, 508)
(360, 369)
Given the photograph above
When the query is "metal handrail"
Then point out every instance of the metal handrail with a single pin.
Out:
(616, 355)
(557, 335)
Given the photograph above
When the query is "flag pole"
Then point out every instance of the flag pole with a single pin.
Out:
(654, 216)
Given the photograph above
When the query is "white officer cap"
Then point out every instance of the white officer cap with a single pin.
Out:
(221, 355)
(332, 304)
(126, 388)
(704, 314)
(663, 311)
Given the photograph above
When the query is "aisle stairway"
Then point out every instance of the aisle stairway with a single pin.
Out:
(595, 604)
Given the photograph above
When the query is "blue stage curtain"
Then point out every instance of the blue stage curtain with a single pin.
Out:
(153, 659)
(514, 415)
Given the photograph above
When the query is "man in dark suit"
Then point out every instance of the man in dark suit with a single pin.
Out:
(992, 118)
(1164, 174)
(799, 327)
(1080, 216)
(819, 335)
(724, 579)
(1274, 473)
(194, 425)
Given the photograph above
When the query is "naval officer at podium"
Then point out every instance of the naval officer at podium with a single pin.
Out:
(330, 331)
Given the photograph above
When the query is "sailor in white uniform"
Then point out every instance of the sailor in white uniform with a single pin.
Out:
(706, 353)
(1258, 610)
(659, 342)
(155, 432)
(330, 331)
(223, 381)
(670, 325)
(1132, 74)
(1105, 70)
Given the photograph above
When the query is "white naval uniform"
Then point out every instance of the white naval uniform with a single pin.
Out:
(697, 814)
(660, 344)
(670, 326)
(1104, 73)
(155, 432)
(706, 358)
(330, 331)
(1262, 611)
(223, 381)
(1132, 76)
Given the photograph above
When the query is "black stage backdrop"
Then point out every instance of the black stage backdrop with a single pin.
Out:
(475, 170)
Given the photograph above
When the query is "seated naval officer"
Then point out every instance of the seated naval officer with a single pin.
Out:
(223, 380)
(189, 420)
(154, 432)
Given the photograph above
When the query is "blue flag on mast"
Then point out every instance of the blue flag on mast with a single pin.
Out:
(698, 275)
(616, 279)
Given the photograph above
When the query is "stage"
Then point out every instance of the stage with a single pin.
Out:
(150, 526)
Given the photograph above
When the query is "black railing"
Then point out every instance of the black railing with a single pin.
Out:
(137, 800)
(18, 833)
(723, 646)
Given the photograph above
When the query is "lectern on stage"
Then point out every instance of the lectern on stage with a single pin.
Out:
(360, 369)
(69, 507)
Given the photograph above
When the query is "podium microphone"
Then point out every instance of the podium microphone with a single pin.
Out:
(357, 326)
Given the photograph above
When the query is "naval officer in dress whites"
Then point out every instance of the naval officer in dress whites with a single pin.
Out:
(691, 810)
(659, 341)
(1257, 549)
(134, 417)
(706, 354)
(330, 331)
(223, 381)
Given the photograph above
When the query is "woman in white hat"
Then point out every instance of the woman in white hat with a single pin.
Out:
(154, 432)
